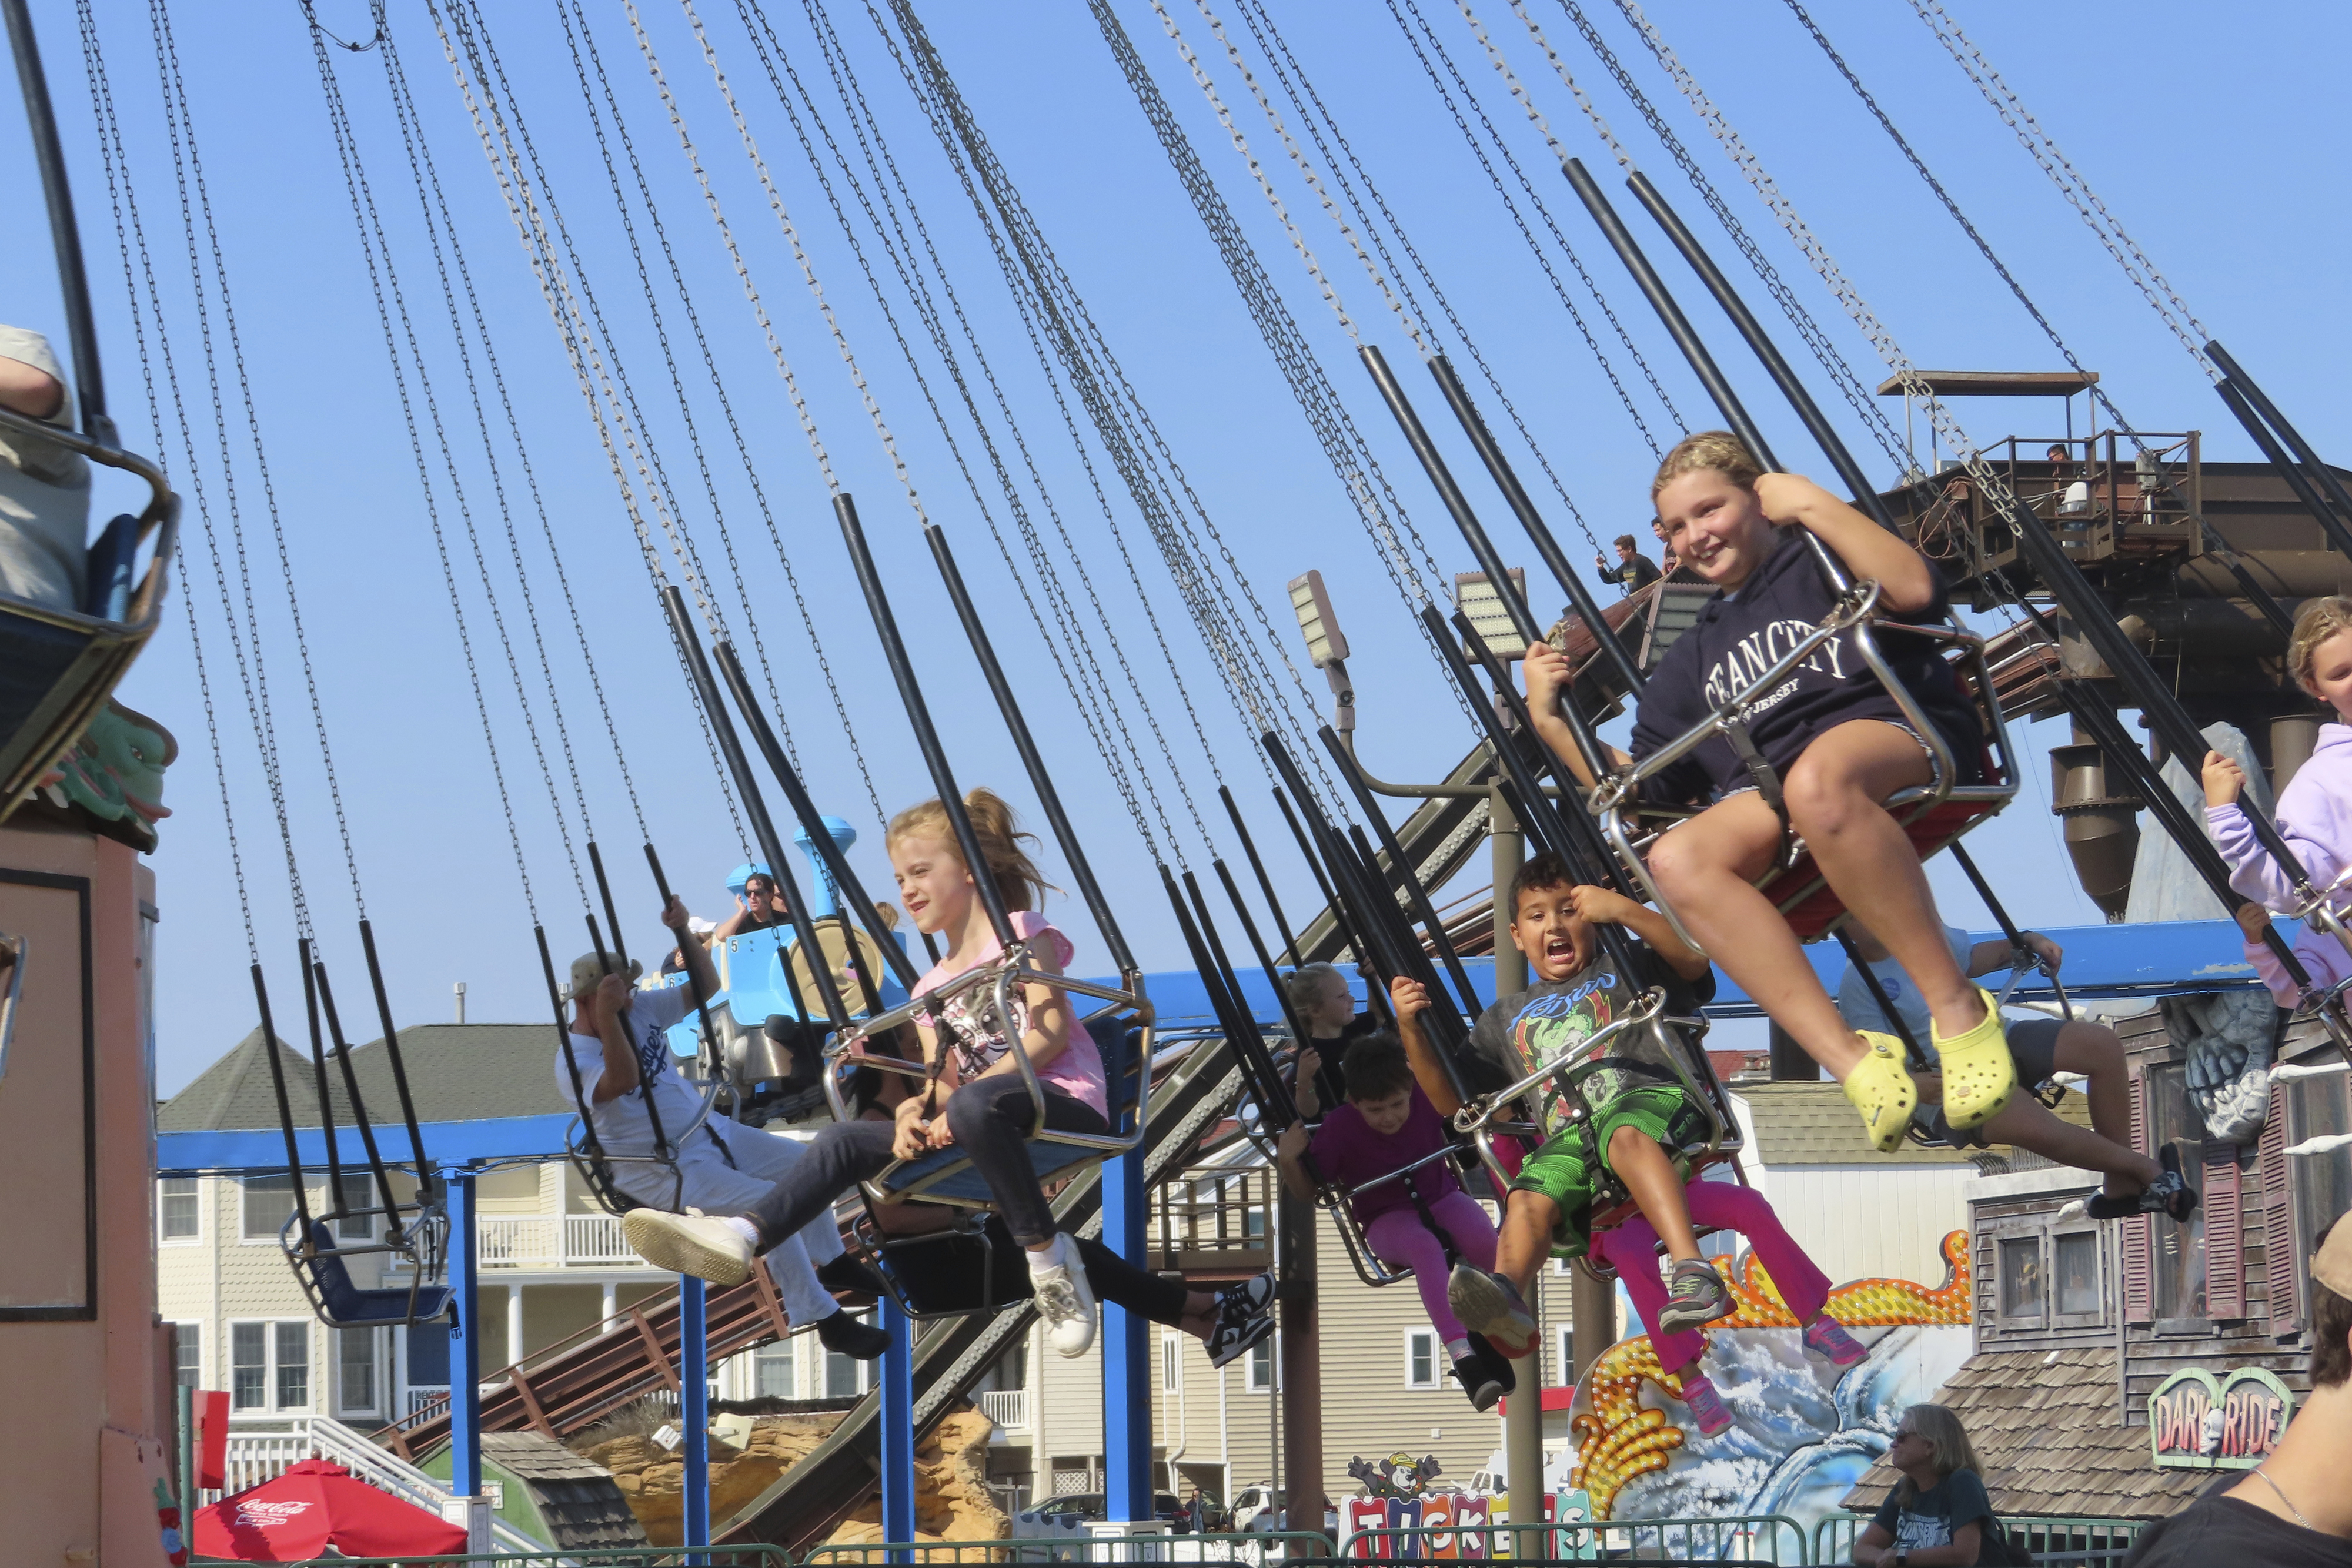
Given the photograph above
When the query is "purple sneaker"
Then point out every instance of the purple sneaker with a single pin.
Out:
(1706, 1406)
(1826, 1337)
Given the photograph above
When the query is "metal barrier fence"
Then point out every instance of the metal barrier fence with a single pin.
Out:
(1763, 1538)
(2056, 1541)
(760, 1556)
(1252, 1548)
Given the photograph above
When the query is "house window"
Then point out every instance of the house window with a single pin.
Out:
(358, 1195)
(2020, 1276)
(179, 1212)
(269, 1365)
(2074, 1272)
(188, 1355)
(1564, 1341)
(2177, 1252)
(1421, 1358)
(1260, 1377)
(1172, 1366)
(263, 1205)
(772, 1368)
(355, 1371)
(845, 1376)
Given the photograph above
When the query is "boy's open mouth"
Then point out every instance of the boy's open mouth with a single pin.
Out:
(1559, 945)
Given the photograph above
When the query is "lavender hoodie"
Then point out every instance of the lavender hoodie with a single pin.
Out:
(2314, 817)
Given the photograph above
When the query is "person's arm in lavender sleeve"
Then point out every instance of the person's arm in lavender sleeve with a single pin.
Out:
(2252, 872)
(2252, 918)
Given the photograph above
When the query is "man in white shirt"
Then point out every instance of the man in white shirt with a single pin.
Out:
(43, 486)
(617, 1062)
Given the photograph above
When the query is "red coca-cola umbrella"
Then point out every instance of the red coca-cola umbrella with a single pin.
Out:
(316, 1505)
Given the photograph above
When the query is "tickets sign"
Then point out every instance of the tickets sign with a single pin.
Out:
(2197, 1421)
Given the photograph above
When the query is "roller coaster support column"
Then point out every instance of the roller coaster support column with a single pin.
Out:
(466, 1505)
(1126, 1355)
(1302, 1361)
(897, 1428)
(1523, 1461)
(694, 1405)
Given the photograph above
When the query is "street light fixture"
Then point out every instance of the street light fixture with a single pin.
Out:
(1476, 598)
(1325, 644)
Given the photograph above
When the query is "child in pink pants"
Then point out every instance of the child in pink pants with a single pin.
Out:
(1632, 1248)
(1387, 1124)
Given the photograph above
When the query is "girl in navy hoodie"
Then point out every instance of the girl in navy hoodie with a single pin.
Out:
(1840, 745)
(2315, 811)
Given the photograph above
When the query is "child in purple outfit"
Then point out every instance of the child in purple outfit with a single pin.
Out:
(1386, 1124)
(2315, 811)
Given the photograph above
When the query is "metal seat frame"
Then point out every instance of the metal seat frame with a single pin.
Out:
(424, 1241)
(1000, 979)
(1368, 1266)
(75, 696)
(595, 1163)
(1626, 823)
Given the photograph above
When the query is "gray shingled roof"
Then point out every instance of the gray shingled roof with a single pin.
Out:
(1813, 1125)
(456, 1073)
(2052, 1440)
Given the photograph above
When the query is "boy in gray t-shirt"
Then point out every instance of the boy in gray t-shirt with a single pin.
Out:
(44, 485)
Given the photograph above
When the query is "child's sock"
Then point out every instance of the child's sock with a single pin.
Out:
(1456, 1349)
(1049, 1256)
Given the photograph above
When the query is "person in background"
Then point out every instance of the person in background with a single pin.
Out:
(756, 909)
(1938, 1516)
(698, 931)
(2291, 1510)
(2073, 494)
(1633, 571)
(1670, 560)
(43, 486)
(1326, 1007)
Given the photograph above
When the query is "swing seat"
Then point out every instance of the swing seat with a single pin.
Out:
(947, 1176)
(341, 1305)
(59, 665)
(1931, 815)
(1370, 1268)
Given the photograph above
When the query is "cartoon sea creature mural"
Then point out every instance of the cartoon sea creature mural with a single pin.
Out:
(1801, 1432)
(115, 774)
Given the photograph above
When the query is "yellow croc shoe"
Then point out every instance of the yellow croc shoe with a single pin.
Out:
(1880, 1088)
(1979, 1073)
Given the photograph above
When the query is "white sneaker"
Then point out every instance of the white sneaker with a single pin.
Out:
(690, 1243)
(1064, 1302)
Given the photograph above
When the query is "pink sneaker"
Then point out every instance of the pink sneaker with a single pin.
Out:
(1827, 1338)
(1706, 1406)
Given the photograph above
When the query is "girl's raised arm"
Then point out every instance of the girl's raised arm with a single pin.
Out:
(1906, 581)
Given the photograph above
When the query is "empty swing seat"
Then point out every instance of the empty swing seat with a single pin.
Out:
(342, 1305)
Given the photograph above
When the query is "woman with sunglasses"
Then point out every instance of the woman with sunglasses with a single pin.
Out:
(1938, 1516)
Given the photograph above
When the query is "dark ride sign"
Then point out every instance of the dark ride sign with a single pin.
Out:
(2200, 1422)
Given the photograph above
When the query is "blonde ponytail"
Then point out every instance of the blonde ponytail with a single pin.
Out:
(1023, 885)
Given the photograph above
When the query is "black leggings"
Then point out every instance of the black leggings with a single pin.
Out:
(940, 1274)
(990, 1117)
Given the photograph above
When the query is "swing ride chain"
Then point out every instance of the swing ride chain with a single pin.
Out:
(1858, 395)
(588, 369)
(727, 408)
(1088, 695)
(1551, 225)
(363, 210)
(1344, 446)
(1285, 68)
(2071, 184)
(1039, 278)
(423, 168)
(111, 154)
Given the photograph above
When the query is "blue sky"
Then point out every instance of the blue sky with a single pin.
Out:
(2203, 139)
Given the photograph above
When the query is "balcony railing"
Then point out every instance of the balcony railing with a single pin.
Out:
(547, 1241)
(1213, 1222)
(1008, 1407)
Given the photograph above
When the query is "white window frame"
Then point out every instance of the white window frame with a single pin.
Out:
(274, 1237)
(1251, 1381)
(1563, 1339)
(792, 1361)
(866, 1370)
(1423, 1341)
(365, 1186)
(197, 1324)
(196, 1192)
(1171, 1363)
(270, 1366)
(376, 1374)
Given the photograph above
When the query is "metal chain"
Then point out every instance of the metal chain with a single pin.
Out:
(1088, 693)
(1511, 206)
(362, 212)
(2076, 190)
(1859, 395)
(523, 203)
(1286, 68)
(396, 75)
(586, 35)
(124, 201)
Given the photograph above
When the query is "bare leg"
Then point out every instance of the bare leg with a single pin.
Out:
(2027, 1123)
(1650, 1178)
(1524, 1240)
(2093, 1050)
(1834, 793)
(1703, 867)
(1200, 1318)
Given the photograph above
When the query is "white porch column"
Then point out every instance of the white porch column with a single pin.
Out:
(611, 1304)
(514, 1323)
